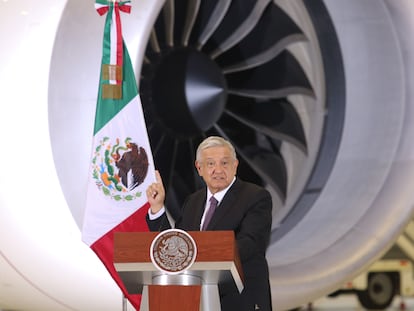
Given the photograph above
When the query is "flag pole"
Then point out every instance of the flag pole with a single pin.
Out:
(124, 303)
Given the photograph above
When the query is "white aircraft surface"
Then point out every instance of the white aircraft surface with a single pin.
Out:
(348, 190)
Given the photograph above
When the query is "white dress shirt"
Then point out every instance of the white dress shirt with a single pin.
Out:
(219, 197)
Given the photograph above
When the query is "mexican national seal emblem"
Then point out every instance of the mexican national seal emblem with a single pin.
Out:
(173, 251)
(119, 168)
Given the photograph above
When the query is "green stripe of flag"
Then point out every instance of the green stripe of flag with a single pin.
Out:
(106, 109)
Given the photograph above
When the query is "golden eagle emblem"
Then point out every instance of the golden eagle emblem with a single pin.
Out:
(120, 168)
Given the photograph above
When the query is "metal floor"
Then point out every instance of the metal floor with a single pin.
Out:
(350, 303)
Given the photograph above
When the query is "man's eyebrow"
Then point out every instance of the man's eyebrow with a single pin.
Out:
(224, 158)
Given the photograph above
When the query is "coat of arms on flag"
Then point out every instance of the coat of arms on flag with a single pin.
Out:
(118, 169)
(122, 165)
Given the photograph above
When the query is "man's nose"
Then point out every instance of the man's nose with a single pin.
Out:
(218, 167)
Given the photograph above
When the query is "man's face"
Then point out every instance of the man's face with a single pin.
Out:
(217, 167)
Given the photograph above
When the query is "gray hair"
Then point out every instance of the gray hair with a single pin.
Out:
(214, 141)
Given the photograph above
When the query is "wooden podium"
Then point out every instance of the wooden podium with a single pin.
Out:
(216, 263)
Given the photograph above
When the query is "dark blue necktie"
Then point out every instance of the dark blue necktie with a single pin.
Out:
(210, 212)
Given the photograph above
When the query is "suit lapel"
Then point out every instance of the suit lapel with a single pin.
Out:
(199, 204)
(225, 205)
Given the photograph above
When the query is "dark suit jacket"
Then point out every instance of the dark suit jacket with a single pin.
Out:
(247, 210)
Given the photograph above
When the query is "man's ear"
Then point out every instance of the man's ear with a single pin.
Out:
(198, 167)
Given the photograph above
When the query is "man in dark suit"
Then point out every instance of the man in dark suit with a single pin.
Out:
(240, 206)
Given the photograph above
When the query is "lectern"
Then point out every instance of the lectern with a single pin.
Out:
(216, 263)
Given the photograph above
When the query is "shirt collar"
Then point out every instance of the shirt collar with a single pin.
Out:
(219, 195)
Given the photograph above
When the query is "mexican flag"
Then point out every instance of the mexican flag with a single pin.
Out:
(121, 166)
